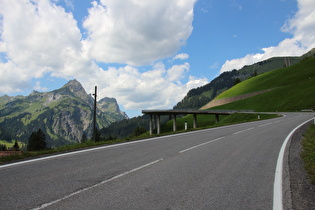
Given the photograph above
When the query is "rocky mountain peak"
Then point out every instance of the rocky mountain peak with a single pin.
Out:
(64, 114)
(74, 86)
(77, 89)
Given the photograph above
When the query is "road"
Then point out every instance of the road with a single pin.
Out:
(231, 167)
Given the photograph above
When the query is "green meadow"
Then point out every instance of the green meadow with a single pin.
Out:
(290, 89)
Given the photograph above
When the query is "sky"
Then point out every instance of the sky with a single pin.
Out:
(146, 54)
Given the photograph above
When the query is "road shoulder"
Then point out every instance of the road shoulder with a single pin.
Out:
(302, 192)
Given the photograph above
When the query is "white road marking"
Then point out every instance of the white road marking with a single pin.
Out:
(96, 185)
(248, 129)
(277, 186)
(265, 124)
(199, 145)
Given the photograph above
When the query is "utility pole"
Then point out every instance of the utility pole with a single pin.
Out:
(94, 119)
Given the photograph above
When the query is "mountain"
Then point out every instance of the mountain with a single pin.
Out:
(198, 97)
(64, 114)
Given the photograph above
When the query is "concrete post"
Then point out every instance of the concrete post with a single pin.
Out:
(217, 118)
(158, 124)
(151, 125)
(174, 123)
(154, 124)
(195, 121)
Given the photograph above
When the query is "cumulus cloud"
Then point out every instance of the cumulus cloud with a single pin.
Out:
(40, 39)
(153, 89)
(137, 32)
(301, 26)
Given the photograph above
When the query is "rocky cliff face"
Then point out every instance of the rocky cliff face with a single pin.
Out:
(64, 114)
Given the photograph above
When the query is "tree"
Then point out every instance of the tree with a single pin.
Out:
(138, 131)
(16, 146)
(237, 80)
(37, 141)
(3, 147)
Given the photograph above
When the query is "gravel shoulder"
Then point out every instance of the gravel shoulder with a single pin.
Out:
(301, 191)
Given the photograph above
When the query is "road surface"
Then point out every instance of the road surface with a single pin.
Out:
(231, 167)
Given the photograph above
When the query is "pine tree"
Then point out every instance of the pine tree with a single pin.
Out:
(16, 146)
(37, 141)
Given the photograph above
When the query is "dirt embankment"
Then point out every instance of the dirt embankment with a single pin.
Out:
(7, 153)
(219, 102)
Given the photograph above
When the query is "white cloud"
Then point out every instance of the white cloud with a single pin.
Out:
(301, 26)
(40, 39)
(182, 56)
(156, 88)
(137, 32)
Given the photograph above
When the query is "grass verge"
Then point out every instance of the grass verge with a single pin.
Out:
(308, 152)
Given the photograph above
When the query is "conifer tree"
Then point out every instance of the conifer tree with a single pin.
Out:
(16, 146)
(37, 141)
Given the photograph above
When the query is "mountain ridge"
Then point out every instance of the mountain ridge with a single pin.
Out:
(64, 114)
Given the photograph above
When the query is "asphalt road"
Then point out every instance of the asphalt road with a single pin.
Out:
(231, 167)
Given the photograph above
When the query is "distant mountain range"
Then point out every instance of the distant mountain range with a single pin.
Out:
(64, 114)
(198, 97)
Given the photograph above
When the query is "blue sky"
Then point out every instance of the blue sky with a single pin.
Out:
(146, 54)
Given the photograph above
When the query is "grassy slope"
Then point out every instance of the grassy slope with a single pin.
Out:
(292, 88)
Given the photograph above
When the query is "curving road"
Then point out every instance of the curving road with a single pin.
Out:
(231, 167)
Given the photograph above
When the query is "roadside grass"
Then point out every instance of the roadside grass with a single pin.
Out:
(10, 144)
(62, 149)
(308, 152)
(208, 121)
(289, 76)
(203, 121)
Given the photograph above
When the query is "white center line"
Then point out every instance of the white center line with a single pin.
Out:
(199, 145)
(96, 185)
(264, 124)
(243, 131)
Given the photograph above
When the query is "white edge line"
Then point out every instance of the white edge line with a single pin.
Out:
(86, 150)
(199, 145)
(96, 185)
(277, 186)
